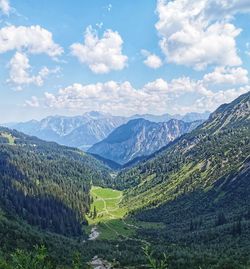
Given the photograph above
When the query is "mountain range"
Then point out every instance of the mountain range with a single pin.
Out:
(78, 131)
(88, 129)
(140, 137)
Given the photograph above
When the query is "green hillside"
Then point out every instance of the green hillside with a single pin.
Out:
(199, 187)
(204, 160)
(45, 184)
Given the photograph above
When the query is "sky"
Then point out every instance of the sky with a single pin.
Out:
(65, 57)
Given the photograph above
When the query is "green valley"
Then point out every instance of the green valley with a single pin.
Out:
(190, 200)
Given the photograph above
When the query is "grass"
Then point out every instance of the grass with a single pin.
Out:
(109, 218)
(114, 229)
(106, 205)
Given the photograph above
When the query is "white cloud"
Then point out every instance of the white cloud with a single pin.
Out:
(100, 54)
(33, 102)
(216, 99)
(19, 74)
(177, 87)
(101, 96)
(222, 75)
(199, 33)
(33, 39)
(5, 7)
(155, 97)
(152, 60)
(217, 8)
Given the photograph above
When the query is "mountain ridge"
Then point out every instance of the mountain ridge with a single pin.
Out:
(140, 137)
(81, 131)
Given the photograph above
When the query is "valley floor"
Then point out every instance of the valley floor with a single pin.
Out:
(105, 205)
(106, 217)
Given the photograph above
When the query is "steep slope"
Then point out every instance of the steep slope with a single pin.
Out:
(91, 132)
(198, 186)
(139, 137)
(78, 131)
(45, 184)
(210, 165)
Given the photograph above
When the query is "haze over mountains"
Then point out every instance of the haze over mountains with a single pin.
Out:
(86, 130)
(78, 131)
(189, 117)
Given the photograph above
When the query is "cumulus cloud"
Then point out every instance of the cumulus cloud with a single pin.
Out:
(177, 87)
(103, 54)
(222, 75)
(199, 33)
(217, 98)
(156, 96)
(152, 60)
(5, 7)
(100, 96)
(19, 74)
(33, 39)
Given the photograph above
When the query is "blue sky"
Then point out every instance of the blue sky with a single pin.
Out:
(122, 57)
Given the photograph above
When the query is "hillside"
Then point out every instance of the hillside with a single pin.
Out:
(203, 159)
(199, 187)
(138, 138)
(45, 184)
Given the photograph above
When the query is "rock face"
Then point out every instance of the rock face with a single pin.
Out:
(140, 137)
(79, 131)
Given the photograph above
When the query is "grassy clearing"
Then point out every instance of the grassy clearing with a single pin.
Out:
(105, 205)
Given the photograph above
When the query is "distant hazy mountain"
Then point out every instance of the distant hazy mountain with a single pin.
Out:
(78, 131)
(88, 129)
(192, 116)
(140, 137)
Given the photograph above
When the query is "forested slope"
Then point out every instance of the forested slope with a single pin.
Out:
(199, 186)
(205, 159)
(45, 184)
